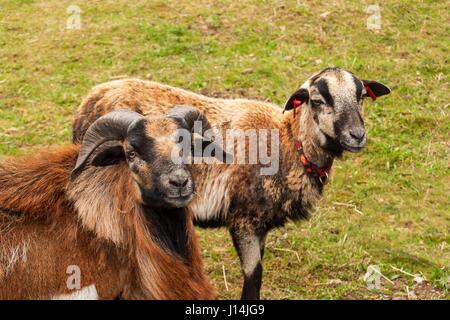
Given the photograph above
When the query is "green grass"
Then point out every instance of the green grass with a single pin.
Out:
(387, 206)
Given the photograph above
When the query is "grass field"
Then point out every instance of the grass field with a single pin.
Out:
(388, 206)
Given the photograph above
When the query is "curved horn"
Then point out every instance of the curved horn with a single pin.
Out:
(112, 126)
(187, 115)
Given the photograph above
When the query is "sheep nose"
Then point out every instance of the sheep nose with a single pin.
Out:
(357, 133)
(179, 179)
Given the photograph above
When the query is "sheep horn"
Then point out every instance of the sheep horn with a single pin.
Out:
(187, 116)
(110, 127)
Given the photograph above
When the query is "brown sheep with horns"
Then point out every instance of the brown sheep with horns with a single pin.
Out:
(112, 208)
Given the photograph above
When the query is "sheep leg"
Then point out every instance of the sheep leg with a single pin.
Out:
(250, 248)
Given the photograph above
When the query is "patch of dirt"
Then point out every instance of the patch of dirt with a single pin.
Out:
(423, 291)
(399, 290)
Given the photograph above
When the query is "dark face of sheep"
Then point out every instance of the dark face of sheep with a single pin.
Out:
(148, 152)
(147, 146)
(334, 100)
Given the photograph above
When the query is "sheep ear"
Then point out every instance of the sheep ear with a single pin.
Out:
(109, 155)
(378, 89)
(301, 95)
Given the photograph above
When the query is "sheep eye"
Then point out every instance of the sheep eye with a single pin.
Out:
(316, 103)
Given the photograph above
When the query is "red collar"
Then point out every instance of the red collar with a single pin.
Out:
(312, 169)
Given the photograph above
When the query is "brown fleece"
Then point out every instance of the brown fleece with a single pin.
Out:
(46, 225)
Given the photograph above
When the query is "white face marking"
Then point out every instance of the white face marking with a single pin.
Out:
(86, 293)
(321, 136)
(214, 200)
(342, 89)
